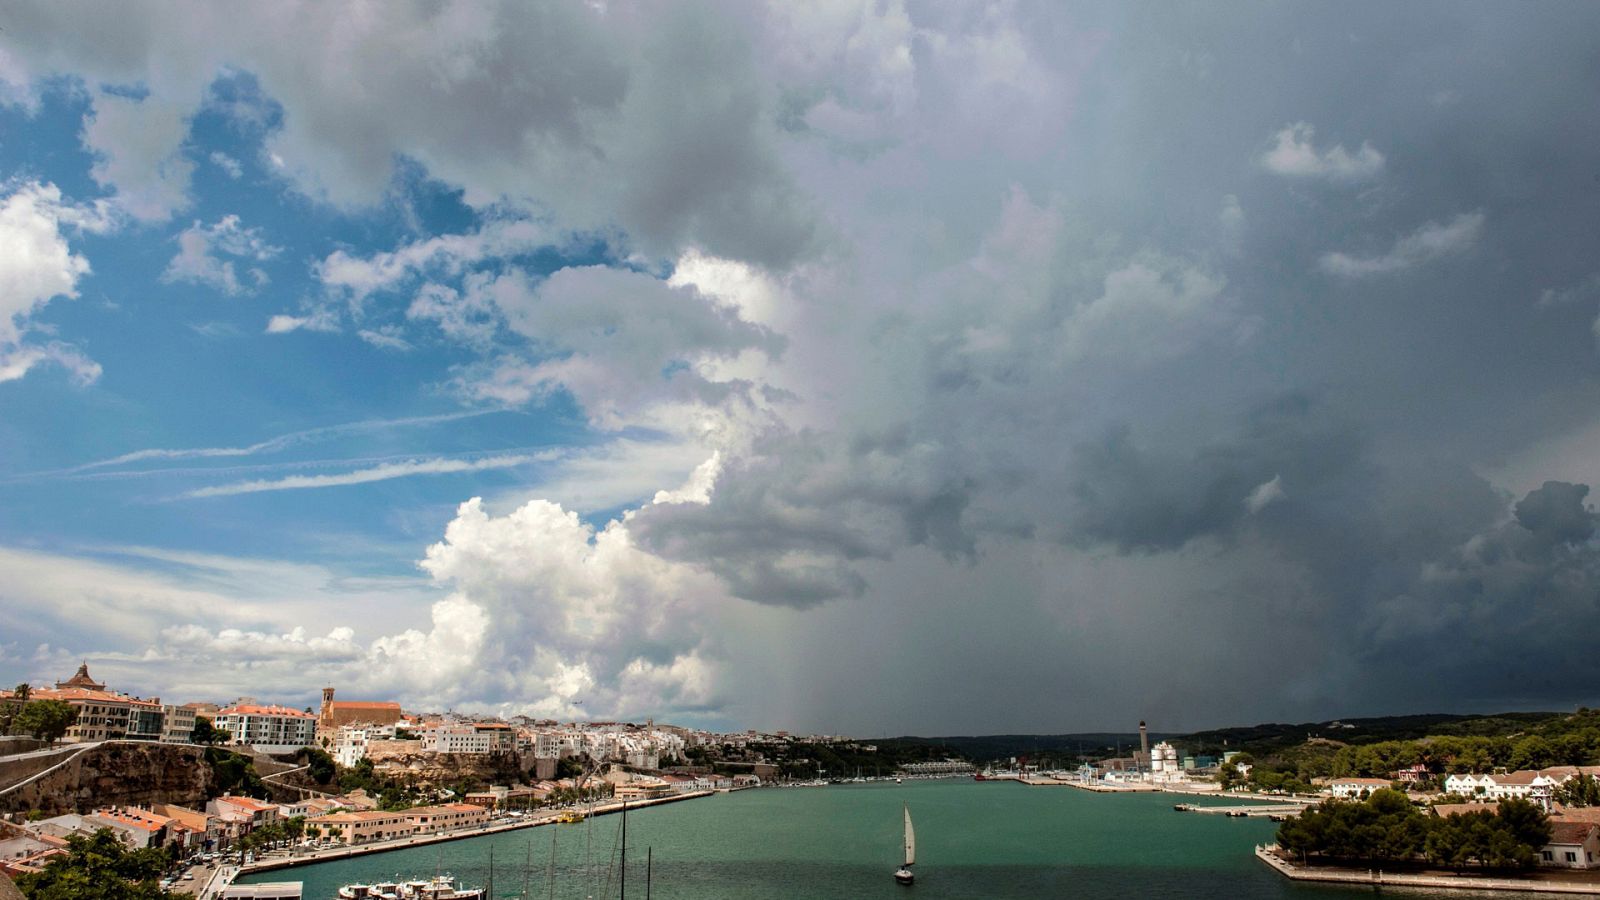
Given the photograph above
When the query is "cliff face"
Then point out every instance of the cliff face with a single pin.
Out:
(411, 765)
(118, 774)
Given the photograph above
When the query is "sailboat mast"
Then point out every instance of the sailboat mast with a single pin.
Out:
(648, 859)
(527, 867)
(552, 864)
(623, 880)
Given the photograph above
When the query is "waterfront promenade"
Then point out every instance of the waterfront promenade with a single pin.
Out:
(292, 859)
(1545, 882)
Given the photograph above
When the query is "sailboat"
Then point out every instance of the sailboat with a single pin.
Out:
(903, 874)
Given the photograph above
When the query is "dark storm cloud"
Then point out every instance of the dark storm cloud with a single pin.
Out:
(1506, 616)
(1151, 356)
(786, 524)
(1555, 515)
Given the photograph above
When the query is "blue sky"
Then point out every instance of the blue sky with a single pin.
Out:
(711, 361)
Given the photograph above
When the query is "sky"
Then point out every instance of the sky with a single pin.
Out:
(848, 367)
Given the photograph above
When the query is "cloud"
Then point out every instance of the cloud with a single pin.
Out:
(384, 472)
(386, 337)
(931, 325)
(200, 251)
(652, 119)
(580, 615)
(138, 148)
(16, 361)
(1434, 240)
(1265, 494)
(1523, 581)
(226, 163)
(446, 254)
(323, 320)
(1573, 293)
(1294, 155)
(38, 266)
(620, 342)
(469, 316)
(278, 443)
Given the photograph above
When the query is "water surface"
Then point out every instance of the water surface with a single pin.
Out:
(974, 839)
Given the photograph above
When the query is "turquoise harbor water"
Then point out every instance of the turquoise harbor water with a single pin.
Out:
(989, 840)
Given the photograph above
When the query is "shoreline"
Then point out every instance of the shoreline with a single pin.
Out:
(1379, 878)
(423, 840)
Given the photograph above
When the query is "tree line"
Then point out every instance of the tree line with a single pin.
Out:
(1388, 828)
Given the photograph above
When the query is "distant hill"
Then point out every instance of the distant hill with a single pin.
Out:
(1256, 739)
(986, 747)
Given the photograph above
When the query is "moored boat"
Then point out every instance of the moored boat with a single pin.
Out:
(439, 887)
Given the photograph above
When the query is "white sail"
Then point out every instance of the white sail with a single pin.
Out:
(911, 839)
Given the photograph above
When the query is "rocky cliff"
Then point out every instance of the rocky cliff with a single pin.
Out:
(118, 774)
(404, 760)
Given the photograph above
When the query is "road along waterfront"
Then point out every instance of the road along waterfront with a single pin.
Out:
(286, 861)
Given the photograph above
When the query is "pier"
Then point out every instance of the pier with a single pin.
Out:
(1276, 812)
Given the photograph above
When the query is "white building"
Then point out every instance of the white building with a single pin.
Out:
(268, 726)
(1470, 784)
(350, 744)
(1354, 788)
(177, 724)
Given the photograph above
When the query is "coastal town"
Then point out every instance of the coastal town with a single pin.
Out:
(276, 787)
(421, 775)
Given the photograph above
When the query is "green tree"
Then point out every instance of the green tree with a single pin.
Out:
(321, 766)
(569, 767)
(1532, 752)
(47, 720)
(1526, 822)
(10, 708)
(1581, 791)
(233, 773)
(208, 734)
(98, 867)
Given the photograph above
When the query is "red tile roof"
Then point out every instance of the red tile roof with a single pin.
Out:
(1571, 832)
(253, 710)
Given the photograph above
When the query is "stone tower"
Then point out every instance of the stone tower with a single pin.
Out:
(327, 708)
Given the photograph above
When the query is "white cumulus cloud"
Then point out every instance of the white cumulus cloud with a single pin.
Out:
(1430, 242)
(1294, 155)
(201, 252)
(36, 266)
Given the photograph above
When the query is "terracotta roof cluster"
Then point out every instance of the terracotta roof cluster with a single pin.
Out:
(250, 709)
(249, 803)
(133, 819)
(370, 815)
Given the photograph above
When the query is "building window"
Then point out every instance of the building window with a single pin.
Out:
(1571, 856)
(1548, 856)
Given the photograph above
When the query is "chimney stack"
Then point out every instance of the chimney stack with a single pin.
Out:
(1144, 740)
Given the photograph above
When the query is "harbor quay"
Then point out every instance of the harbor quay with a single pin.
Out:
(272, 863)
(1542, 883)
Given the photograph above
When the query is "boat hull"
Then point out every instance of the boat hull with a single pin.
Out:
(904, 876)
